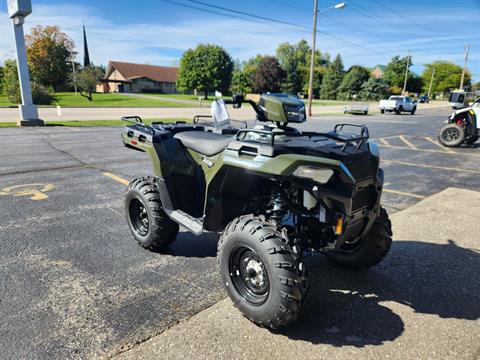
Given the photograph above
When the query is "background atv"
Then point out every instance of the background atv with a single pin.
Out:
(463, 126)
(274, 193)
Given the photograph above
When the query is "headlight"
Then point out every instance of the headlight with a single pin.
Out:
(295, 113)
(319, 175)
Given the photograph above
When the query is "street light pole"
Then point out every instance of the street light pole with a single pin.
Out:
(312, 57)
(314, 40)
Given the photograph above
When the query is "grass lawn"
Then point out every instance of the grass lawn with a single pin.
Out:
(75, 123)
(69, 99)
(111, 100)
(5, 102)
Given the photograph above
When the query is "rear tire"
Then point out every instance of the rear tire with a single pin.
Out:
(262, 271)
(399, 110)
(373, 247)
(382, 111)
(149, 224)
(413, 111)
(451, 135)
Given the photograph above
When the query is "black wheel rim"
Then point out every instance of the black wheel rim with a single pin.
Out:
(139, 216)
(248, 275)
(451, 134)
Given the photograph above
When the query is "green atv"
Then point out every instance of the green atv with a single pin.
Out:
(274, 193)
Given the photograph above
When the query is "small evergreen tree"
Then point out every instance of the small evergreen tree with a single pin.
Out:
(374, 89)
(332, 79)
(352, 82)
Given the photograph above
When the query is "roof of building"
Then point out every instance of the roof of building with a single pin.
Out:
(134, 71)
(381, 67)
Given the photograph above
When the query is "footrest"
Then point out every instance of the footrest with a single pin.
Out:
(195, 225)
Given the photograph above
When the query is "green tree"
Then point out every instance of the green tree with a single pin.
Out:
(295, 60)
(241, 82)
(352, 82)
(447, 76)
(374, 89)
(87, 80)
(332, 79)
(2, 75)
(394, 75)
(11, 87)
(49, 52)
(206, 68)
(269, 76)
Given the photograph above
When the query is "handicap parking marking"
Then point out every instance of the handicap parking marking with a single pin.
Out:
(34, 191)
(116, 178)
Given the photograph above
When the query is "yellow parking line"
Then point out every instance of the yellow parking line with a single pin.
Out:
(384, 142)
(432, 166)
(404, 193)
(429, 150)
(116, 178)
(408, 143)
(439, 145)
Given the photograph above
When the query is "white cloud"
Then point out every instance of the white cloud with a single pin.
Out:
(163, 43)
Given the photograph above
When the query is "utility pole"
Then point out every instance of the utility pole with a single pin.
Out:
(312, 58)
(467, 49)
(406, 74)
(431, 83)
(74, 76)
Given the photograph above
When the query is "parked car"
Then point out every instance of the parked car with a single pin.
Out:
(398, 104)
(424, 99)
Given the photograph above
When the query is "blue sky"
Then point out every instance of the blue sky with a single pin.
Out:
(157, 32)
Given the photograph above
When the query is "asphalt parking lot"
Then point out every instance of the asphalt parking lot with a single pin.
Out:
(73, 283)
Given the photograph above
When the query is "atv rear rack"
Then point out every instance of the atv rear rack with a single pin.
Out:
(335, 135)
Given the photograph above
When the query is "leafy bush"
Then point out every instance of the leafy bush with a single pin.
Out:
(40, 94)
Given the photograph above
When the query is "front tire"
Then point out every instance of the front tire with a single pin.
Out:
(451, 135)
(369, 250)
(413, 111)
(262, 272)
(382, 111)
(149, 224)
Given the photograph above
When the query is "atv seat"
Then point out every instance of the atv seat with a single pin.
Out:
(205, 143)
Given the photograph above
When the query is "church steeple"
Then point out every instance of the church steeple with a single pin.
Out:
(86, 56)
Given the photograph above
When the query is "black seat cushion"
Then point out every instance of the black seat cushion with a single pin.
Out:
(205, 143)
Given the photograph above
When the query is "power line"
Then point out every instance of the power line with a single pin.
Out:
(376, 17)
(325, 34)
(209, 11)
(396, 13)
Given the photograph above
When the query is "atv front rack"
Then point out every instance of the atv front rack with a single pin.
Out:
(336, 135)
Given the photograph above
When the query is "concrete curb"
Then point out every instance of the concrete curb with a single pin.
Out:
(408, 325)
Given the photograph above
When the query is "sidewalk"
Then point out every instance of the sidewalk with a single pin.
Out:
(422, 302)
(245, 113)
